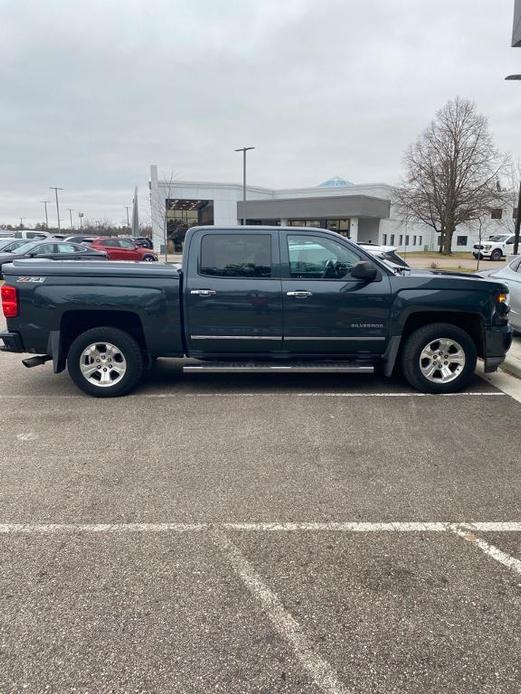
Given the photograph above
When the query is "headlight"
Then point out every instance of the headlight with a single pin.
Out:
(487, 247)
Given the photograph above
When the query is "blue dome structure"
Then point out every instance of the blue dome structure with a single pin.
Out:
(335, 182)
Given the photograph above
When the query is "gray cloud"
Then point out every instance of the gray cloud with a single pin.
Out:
(92, 93)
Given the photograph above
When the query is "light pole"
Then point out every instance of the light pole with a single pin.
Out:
(70, 217)
(127, 207)
(81, 215)
(56, 189)
(244, 150)
(45, 203)
(517, 228)
(21, 222)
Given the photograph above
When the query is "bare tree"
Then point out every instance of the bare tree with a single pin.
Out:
(510, 194)
(451, 172)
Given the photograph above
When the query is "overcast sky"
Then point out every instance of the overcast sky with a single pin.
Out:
(94, 92)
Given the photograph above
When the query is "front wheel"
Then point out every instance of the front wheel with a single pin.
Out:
(438, 358)
(149, 259)
(496, 254)
(105, 362)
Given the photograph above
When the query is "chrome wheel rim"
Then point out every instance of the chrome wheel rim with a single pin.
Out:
(442, 360)
(149, 260)
(102, 364)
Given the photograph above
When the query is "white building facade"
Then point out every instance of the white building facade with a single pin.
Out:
(363, 212)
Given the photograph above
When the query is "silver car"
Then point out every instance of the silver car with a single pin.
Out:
(511, 275)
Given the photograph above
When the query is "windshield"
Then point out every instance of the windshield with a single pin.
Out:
(14, 245)
(6, 243)
(25, 247)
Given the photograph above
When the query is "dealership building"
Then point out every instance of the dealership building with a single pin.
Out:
(362, 212)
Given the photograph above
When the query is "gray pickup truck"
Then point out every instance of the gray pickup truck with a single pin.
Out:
(262, 299)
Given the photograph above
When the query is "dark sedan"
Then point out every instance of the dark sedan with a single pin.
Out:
(53, 250)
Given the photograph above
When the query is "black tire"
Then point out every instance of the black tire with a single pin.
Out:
(419, 339)
(496, 254)
(149, 259)
(128, 347)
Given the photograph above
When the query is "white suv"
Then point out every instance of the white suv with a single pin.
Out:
(497, 247)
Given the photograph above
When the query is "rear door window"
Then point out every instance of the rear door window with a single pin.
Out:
(236, 255)
(69, 248)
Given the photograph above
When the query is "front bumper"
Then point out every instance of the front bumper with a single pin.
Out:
(12, 342)
(497, 344)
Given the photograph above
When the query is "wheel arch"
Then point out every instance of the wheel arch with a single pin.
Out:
(75, 322)
(472, 323)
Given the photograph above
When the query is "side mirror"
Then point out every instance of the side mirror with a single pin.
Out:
(364, 271)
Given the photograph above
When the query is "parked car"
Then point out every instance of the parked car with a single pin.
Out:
(80, 238)
(388, 253)
(253, 299)
(30, 234)
(496, 248)
(511, 275)
(122, 249)
(58, 250)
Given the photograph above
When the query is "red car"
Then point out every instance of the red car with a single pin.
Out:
(122, 249)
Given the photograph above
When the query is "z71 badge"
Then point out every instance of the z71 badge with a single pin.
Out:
(31, 280)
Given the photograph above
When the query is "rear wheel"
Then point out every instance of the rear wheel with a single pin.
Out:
(496, 254)
(438, 358)
(105, 362)
(149, 259)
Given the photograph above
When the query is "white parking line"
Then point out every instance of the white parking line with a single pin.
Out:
(332, 526)
(284, 623)
(491, 550)
(323, 395)
(162, 396)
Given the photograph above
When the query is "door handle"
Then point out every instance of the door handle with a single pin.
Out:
(203, 292)
(300, 294)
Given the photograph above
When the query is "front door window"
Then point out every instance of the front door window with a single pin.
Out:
(314, 257)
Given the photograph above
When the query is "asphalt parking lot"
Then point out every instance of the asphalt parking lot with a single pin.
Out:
(253, 534)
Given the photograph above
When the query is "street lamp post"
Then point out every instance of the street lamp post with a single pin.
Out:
(517, 228)
(81, 215)
(45, 203)
(127, 207)
(56, 189)
(70, 216)
(244, 150)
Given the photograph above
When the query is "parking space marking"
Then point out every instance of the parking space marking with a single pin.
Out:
(329, 526)
(162, 396)
(491, 550)
(283, 622)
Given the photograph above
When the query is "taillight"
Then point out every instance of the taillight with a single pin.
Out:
(9, 301)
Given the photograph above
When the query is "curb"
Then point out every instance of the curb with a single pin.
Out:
(512, 367)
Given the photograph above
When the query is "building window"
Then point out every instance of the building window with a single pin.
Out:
(461, 240)
(420, 240)
(392, 239)
(385, 239)
(401, 239)
(407, 240)
(414, 240)
(496, 213)
(236, 255)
